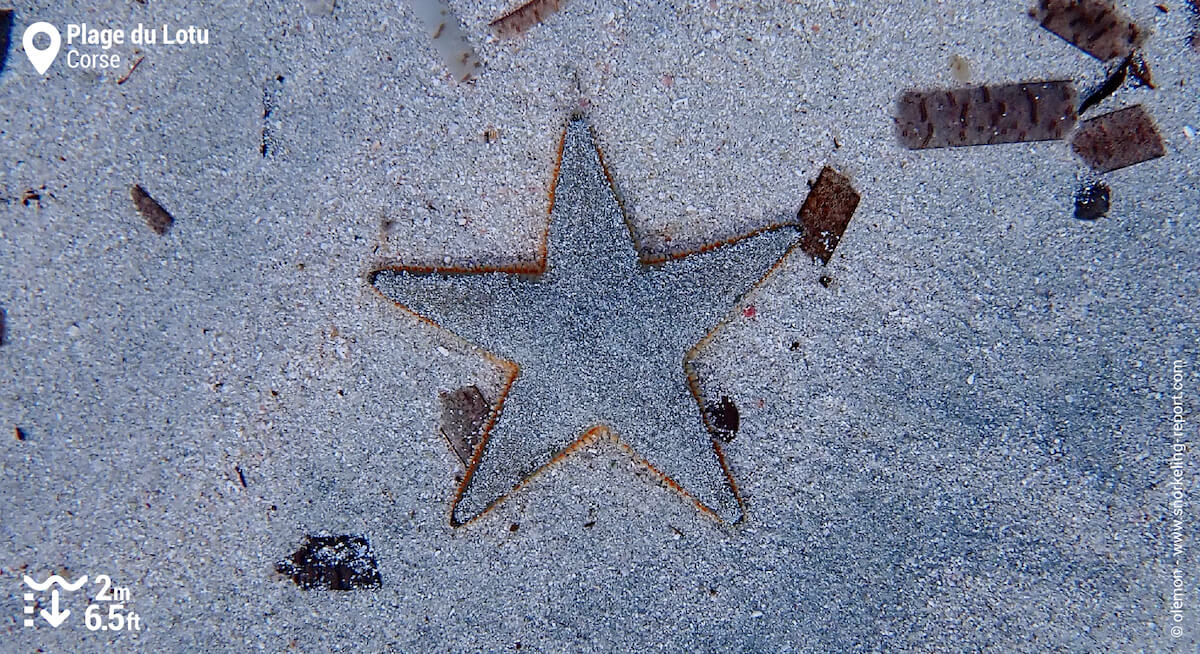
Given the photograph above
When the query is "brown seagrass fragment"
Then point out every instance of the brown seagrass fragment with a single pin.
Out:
(1095, 26)
(1118, 139)
(986, 115)
(152, 212)
(463, 413)
(517, 21)
(826, 213)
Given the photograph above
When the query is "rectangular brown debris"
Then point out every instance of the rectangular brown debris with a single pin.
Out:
(527, 15)
(826, 213)
(1094, 26)
(152, 212)
(986, 115)
(1118, 139)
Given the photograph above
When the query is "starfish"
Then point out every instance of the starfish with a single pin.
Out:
(596, 337)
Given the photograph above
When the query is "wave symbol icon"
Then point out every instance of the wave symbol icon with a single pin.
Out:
(55, 579)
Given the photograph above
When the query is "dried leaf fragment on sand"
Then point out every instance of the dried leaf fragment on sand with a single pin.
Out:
(152, 212)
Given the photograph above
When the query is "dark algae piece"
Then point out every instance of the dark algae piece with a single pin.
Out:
(986, 115)
(6, 19)
(1094, 26)
(1194, 22)
(723, 418)
(525, 16)
(332, 562)
(1135, 65)
(826, 213)
(1110, 85)
(1091, 201)
(1118, 139)
(152, 212)
(463, 413)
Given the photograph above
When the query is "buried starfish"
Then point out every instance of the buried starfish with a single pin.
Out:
(594, 340)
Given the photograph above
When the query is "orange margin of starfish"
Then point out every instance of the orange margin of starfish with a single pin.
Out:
(512, 370)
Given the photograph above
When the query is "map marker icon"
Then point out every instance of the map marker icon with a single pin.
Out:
(41, 59)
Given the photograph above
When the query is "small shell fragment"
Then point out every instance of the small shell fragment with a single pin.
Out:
(318, 7)
(1118, 139)
(960, 68)
(152, 212)
(449, 39)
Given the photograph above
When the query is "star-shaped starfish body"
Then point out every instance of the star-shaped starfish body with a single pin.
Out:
(597, 338)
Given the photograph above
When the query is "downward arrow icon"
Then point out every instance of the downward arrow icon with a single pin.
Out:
(53, 616)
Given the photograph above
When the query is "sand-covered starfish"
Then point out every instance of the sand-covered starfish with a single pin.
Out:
(595, 340)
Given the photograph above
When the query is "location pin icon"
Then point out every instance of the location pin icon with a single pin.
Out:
(41, 59)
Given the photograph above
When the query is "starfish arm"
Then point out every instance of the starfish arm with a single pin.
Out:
(532, 430)
(704, 287)
(477, 307)
(513, 447)
(588, 235)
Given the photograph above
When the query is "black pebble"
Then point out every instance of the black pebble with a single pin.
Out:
(724, 418)
(1091, 201)
(333, 562)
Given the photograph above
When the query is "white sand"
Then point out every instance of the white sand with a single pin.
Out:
(964, 451)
